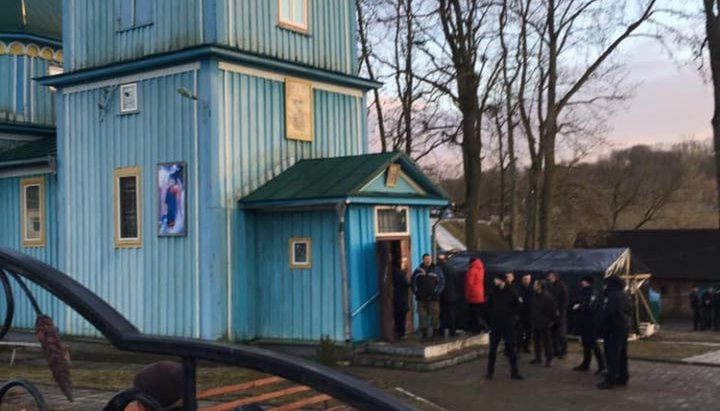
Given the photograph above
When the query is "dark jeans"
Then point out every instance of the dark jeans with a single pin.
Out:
(400, 322)
(559, 335)
(448, 317)
(478, 322)
(542, 342)
(590, 346)
(697, 320)
(706, 318)
(523, 333)
(616, 356)
(506, 334)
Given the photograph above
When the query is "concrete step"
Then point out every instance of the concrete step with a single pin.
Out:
(428, 349)
(414, 363)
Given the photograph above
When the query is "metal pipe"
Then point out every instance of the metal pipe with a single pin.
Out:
(433, 239)
(347, 329)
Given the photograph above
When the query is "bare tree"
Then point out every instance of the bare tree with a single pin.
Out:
(712, 27)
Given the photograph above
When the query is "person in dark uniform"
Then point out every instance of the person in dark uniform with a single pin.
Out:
(524, 328)
(427, 284)
(613, 322)
(706, 299)
(503, 304)
(514, 286)
(401, 305)
(716, 308)
(448, 298)
(559, 291)
(585, 310)
(696, 307)
(542, 316)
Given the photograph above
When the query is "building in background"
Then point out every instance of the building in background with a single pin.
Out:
(212, 176)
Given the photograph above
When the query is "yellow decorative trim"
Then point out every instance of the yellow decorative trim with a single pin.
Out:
(117, 174)
(24, 183)
(17, 48)
(32, 50)
(294, 264)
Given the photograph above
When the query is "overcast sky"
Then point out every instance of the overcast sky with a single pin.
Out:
(671, 104)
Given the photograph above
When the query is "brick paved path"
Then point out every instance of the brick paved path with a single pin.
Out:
(653, 386)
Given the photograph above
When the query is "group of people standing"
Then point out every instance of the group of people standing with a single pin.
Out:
(706, 308)
(520, 313)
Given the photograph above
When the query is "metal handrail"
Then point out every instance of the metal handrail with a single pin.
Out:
(126, 337)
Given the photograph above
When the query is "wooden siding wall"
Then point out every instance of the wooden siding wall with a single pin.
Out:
(362, 262)
(22, 99)
(10, 236)
(91, 37)
(141, 283)
(300, 304)
(252, 25)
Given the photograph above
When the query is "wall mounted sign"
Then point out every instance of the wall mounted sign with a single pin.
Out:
(298, 110)
(393, 173)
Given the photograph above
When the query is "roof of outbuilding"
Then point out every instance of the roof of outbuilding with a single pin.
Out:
(339, 177)
(35, 17)
(673, 254)
(34, 150)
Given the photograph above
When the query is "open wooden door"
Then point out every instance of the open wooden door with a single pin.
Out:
(389, 250)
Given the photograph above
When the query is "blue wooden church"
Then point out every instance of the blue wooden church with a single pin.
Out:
(203, 166)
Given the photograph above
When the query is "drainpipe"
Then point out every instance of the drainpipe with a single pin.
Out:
(341, 207)
(433, 240)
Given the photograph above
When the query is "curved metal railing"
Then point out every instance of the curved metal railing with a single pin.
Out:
(126, 337)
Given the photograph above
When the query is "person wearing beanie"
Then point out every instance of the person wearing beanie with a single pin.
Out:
(162, 381)
(613, 324)
(585, 309)
(503, 306)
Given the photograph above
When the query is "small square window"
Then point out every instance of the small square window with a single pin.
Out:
(134, 13)
(300, 253)
(391, 221)
(128, 98)
(293, 15)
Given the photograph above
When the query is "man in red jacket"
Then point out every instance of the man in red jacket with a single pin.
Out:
(475, 294)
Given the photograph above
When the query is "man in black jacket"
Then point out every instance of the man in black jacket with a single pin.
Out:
(448, 298)
(503, 304)
(524, 328)
(585, 309)
(428, 282)
(559, 292)
(401, 305)
(542, 315)
(696, 307)
(706, 309)
(613, 322)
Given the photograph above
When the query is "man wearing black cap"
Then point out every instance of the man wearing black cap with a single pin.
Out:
(585, 309)
(503, 305)
(613, 322)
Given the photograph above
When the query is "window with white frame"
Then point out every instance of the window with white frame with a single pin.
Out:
(300, 252)
(32, 212)
(391, 221)
(134, 13)
(128, 98)
(293, 14)
(128, 211)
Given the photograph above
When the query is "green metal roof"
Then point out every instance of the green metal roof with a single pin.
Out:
(40, 18)
(34, 151)
(339, 178)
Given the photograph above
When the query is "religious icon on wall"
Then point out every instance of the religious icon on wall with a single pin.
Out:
(393, 173)
(171, 199)
(298, 110)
